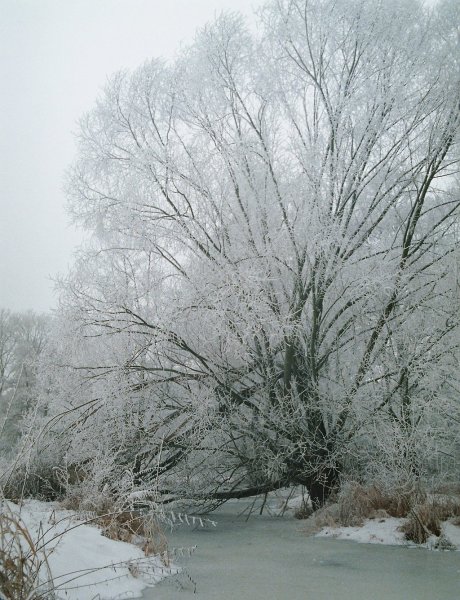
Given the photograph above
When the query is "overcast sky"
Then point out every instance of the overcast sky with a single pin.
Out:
(54, 57)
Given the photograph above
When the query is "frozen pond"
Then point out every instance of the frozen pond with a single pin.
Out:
(270, 558)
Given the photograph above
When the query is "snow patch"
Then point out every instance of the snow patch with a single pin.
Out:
(85, 564)
(387, 531)
(452, 533)
(373, 531)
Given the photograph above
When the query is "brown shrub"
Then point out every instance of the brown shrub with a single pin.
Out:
(22, 560)
(414, 530)
(425, 519)
(357, 503)
(327, 516)
(448, 489)
(303, 512)
(446, 506)
(136, 528)
(420, 525)
(97, 505)
(128, 526)
(396, 505)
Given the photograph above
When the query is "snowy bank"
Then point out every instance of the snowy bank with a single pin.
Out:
(388, 531)
(381, 531)
(85, 564)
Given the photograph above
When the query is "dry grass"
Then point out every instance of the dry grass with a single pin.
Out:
(24, 569)
(143, 530)
(303, 512)
(425, 519)
(357, 503)
(420, 525)
(448, 489)
(117, 522)
(327, 516)
(96, 504)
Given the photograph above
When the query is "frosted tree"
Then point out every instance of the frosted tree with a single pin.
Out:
(22, 341)
(271, 217)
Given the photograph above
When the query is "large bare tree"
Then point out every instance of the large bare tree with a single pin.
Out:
(275, 229)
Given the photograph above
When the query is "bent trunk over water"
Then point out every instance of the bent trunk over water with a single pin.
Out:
(319, 485)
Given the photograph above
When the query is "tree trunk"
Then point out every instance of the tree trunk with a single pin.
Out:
(321, 484)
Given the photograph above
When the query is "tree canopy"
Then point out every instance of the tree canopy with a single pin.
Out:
(270, 294)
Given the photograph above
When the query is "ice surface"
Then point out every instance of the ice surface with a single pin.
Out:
(269, 558)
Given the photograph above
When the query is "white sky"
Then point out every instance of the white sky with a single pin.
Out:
(54, 57)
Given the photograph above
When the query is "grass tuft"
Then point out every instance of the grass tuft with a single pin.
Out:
(142, 529)
(425, 519)
(24, 569)
(357, 503)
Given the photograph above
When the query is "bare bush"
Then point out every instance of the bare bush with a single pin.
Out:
(24, 568)
(304, 511)
(421, 525)
(326, 516)
(357, 502)
(144, 530)
(425, 519)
